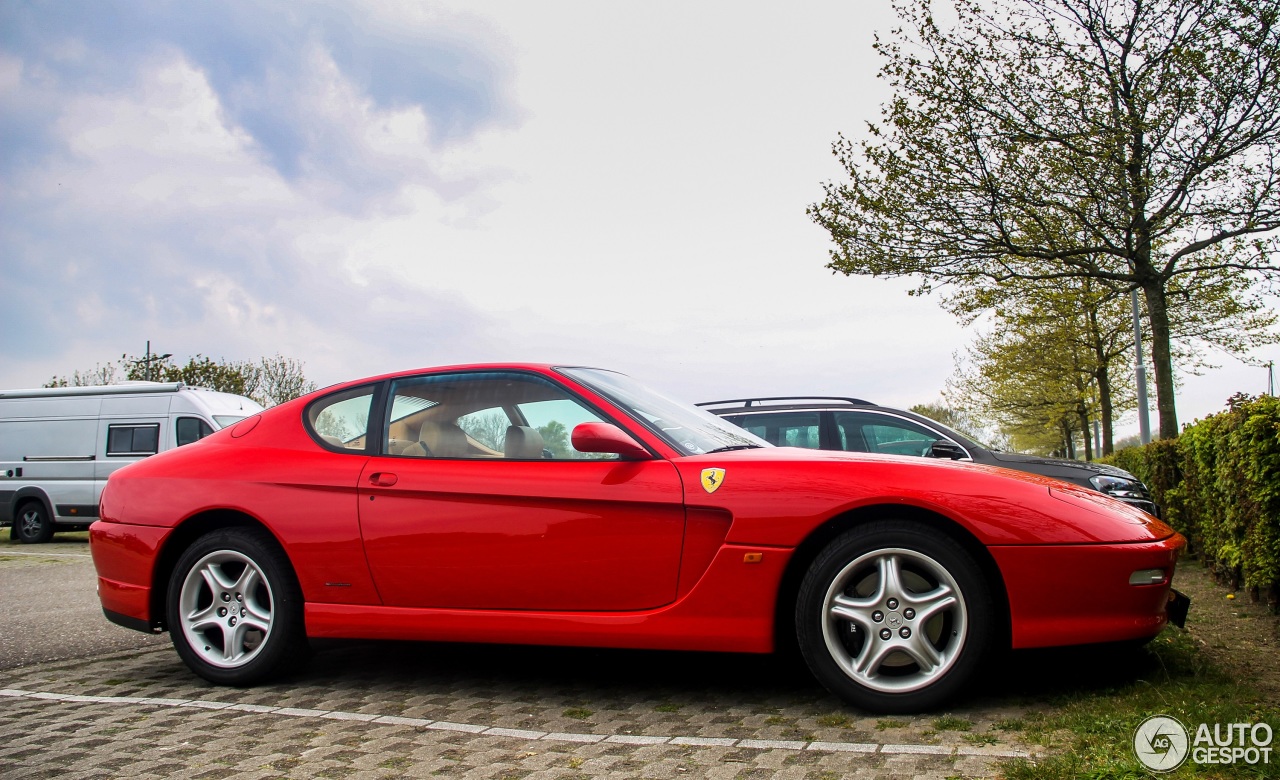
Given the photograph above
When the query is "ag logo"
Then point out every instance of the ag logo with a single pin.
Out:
(712, 479)
(1161, 743)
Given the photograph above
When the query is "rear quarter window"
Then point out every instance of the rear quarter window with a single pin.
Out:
(341, 421)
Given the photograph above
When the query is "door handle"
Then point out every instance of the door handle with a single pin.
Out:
(382, 479)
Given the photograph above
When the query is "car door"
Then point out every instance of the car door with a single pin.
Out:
(887, 434)
(479, 501)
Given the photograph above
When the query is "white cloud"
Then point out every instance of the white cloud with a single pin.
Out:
(159, 150)
(626, 187)
(186, 234)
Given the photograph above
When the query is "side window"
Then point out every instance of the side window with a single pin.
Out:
(488, 428)
(341, 421)
(783, 429)
(870, 432)
(486, 415)
(554, 420)
(133, 439)
(191, 429)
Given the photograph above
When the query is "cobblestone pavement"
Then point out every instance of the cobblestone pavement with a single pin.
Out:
(398, 709)
(385, 709)
(102, 709)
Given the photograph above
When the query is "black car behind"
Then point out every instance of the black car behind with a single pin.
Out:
(854, 425)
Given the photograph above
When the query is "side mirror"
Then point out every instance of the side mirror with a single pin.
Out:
(946, 450)
(606, 437)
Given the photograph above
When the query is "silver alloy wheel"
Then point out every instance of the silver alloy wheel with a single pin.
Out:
(226, 608)
(894, 620)
(31, 521)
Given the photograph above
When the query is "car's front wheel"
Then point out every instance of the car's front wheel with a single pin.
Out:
(234, 607)
(894, 616)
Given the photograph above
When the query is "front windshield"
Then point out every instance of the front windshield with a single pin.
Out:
(223, 420)
(689, 429)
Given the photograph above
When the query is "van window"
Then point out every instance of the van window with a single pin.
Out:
(133, 439)
(192, 429)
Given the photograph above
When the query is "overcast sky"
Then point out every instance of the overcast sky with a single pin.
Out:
(374, 186)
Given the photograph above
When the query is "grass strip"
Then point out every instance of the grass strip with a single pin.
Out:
(1090, 731)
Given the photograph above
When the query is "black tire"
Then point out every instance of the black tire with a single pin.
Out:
(245, 627)
(31, 524)
(937, 610)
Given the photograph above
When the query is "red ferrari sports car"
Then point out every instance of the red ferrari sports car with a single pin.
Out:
(544, 504)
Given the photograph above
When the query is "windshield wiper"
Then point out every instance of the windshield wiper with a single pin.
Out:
(731, 447)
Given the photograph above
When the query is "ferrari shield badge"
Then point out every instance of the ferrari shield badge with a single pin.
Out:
(712, 479)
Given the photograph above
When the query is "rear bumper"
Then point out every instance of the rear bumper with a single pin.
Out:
(124, 556)
(144, 626)
(1080, 594)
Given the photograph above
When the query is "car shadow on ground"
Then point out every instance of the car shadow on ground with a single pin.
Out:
(1049, 675)
(618, 677)
(604, 676)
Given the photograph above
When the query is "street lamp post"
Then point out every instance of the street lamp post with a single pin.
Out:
(1144, 424)
(149, 359)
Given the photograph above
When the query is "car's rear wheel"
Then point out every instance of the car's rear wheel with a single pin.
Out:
(31, 524)
(894, 616)
(234, 607)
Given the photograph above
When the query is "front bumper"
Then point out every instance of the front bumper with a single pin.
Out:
(1080, 594)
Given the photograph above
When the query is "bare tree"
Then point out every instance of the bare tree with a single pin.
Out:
(270, 381)
(278, 379)
(98, 375)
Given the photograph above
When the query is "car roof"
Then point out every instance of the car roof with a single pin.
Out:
(789, 402)
(536, 368)
(784, 403)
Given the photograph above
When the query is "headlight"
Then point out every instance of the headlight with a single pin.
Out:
(1120, 487)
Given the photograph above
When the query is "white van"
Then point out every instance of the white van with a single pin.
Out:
(58, 445)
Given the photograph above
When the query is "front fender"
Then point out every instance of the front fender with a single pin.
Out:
(778, 496)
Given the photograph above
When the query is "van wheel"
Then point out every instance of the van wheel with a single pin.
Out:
(31, 524)
(234, 607)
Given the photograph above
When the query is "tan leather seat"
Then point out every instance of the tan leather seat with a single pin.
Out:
(403, 447)
(522, 443)
(443, 440)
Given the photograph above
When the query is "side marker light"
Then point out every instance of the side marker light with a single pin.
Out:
(1147, 577)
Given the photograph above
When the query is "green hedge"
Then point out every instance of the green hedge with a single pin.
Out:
(1219, 485)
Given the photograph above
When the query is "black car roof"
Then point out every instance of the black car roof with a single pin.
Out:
(784, 403)
(790, 401)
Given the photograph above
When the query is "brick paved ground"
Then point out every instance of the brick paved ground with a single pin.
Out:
(389, 709)
(375, 710)
(382, 710)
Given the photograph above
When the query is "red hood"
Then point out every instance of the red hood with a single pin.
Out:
(768, 490)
